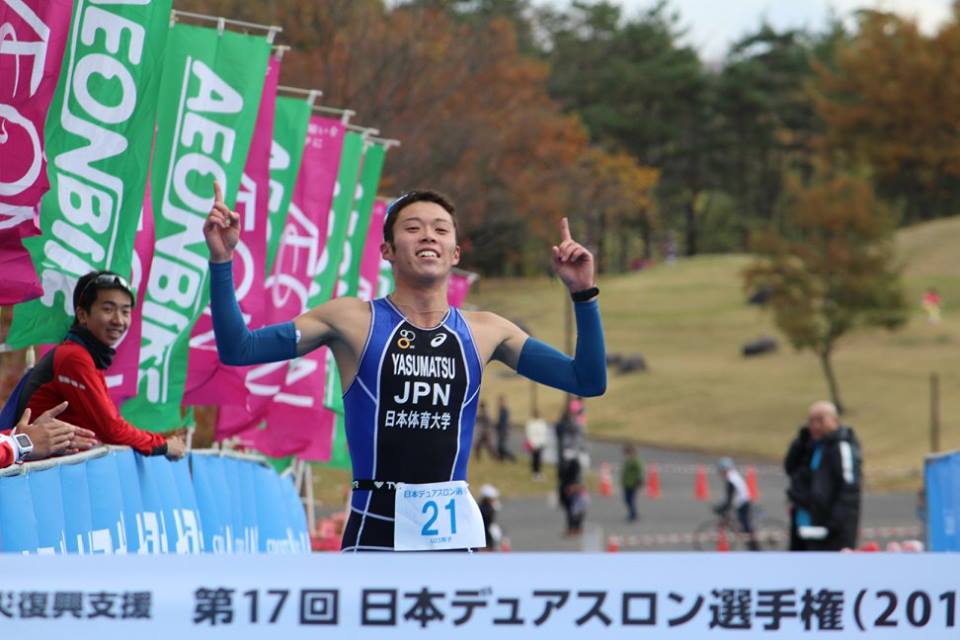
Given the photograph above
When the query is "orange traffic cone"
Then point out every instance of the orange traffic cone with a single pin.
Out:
(752, 483)
(722, 543)
(606, 480)
(653, 482)
(701, 491)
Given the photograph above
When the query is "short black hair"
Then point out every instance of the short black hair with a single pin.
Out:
(85, 293)
(408, 198)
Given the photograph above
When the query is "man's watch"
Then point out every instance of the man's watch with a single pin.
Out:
(23, 445)
(586, 294)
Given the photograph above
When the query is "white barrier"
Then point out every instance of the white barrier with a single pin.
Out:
(450, 595)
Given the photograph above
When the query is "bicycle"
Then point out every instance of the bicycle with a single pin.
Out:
(722, 533)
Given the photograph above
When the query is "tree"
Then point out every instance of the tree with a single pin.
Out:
(766, 123)
(637, 89)
(892, 102)
(450, 80)
(832, 269)
(617, 200)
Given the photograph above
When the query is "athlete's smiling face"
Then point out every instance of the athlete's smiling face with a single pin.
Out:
(109, 315)
(424, 242)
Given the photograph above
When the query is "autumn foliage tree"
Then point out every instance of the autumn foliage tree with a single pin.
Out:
(471, 110)
(832, 270)
(891, 102)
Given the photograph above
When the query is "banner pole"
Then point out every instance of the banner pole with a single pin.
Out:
(271, 29)
(311, 505)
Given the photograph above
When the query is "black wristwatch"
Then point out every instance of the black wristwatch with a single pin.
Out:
(586, 294)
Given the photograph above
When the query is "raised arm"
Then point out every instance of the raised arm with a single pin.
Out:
(586, 373)
(236, 344)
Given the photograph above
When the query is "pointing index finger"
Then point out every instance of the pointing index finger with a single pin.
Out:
(564, 230)
(217, 193)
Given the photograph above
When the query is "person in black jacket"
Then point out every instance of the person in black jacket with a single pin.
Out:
(824, 464)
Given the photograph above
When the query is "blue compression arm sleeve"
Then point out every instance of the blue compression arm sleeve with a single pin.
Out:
(236, 344)
(586, 373)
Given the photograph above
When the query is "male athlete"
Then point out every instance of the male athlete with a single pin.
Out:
(411, 367)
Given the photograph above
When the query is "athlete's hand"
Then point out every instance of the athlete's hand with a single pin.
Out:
(222, 228)
(572, 262)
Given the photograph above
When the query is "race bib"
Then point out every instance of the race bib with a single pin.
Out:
(437, 515)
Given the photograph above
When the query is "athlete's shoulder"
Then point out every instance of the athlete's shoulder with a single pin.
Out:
(347, 308)
(484, 319)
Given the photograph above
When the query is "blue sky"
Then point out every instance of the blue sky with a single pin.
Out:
(714, 24)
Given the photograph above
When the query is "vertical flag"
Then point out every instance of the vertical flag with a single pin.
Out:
(33, 35)
(292, 117)
(339, 455)
(209, 99)
(286, 155)
(122, 374)
(459, 286)
(370, 263)
(359, 224)
(99, 132)
(209, 381)
(355, 235)
(299, 405)
(385, 282)
(328, 267)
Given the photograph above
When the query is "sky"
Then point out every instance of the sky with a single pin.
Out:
(713, 25)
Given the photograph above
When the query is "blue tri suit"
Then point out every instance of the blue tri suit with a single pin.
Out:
(409, 415)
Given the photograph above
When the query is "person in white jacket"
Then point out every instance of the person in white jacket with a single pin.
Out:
(536, 442)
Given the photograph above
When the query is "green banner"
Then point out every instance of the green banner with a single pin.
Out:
(385, 281)
(209, 98)
(332, 389)
(373, 159)
(98, 135)
(289, 134)
(325, 281)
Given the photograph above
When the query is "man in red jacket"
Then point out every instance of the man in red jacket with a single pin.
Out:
(73, 371)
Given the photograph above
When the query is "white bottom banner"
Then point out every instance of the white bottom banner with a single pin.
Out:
(459, 595)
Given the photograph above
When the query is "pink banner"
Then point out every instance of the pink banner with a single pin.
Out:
(290, 395)
(33, 35)
(297, 421)
(19, 282)
(122, 374)
(208, 381)
(370, 263)
(458, 288)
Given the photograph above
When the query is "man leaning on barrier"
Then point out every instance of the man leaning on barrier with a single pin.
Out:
(73, 372)
(411, 366)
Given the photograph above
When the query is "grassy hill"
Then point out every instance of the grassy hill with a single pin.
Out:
(689, 321)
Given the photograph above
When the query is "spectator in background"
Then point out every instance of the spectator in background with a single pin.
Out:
(573, 492)
(824, 464)
(579, 413)
(503, 431)
(737, 497)
(489, 506)
(536, 440)
(73, 370)
(484, 433)
(631, 479)
(931, 305)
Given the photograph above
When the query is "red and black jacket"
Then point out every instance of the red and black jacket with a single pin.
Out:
(68, 373)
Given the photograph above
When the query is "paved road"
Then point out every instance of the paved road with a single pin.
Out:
(536, 524)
